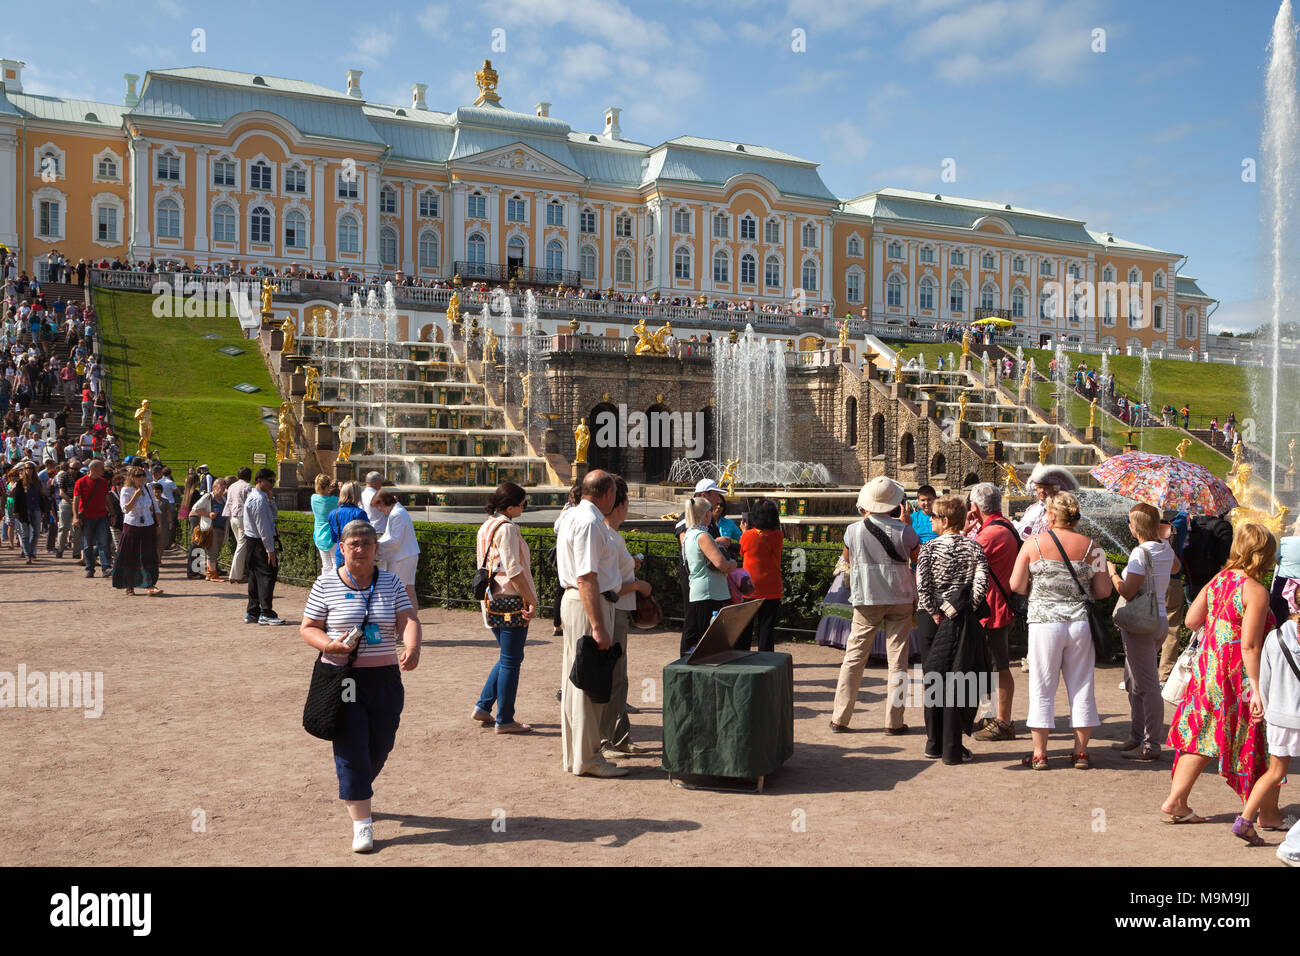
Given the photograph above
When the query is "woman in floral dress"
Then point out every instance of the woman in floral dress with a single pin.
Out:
(1213, 718)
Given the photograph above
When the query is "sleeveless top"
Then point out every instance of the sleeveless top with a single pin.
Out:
(707, 582)
(1054, 598)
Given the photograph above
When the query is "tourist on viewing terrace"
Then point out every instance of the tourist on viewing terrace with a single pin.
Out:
(136, 564)
(361, 595)
(1060, 637)
(1219, 715)
(879, 551)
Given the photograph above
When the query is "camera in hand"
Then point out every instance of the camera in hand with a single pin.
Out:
(350, 639)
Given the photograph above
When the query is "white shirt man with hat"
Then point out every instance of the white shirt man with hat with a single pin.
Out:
(882, 588)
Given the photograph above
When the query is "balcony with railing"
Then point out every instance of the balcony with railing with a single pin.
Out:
(471, 271)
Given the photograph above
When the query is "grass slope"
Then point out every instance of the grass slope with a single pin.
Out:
(197, 414)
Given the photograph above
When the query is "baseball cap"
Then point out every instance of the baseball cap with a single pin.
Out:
(706, 484)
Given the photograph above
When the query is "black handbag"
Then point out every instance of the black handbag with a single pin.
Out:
(1100, 636)
(481, 583)
(322, 713)
(593, 669)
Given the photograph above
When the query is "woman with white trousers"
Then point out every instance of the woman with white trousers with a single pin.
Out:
(399, 552)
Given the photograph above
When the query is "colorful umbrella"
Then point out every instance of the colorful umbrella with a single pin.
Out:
(1166, 482)
(1000, 323)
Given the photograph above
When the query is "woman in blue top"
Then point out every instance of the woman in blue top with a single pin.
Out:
(1288, 567)
(708, 568)
(349, 509)
(323, 502)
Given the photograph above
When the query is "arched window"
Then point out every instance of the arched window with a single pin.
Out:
(259, 176)
(682, 221)
(623, 226)
(1134, 276)
(429, 204)
(938, 465)
(295, 230)
(772, 272)
(989, 296)
(295, 179)
(623, 266)
(895, 250)
(169, 219)
(554, 213)
(748, 269)
(1018, 264)
(721, 266)
(907, 450)
(894, 291)
(587, 221)
(748, 228)
(515, 252)
(555, 260)
(1108, 274)
(349, 234)
(649, 265)
(588, 259)
(987, 261)
(1189, 324)
(878, 434)
(1046, 306)
(259, 226)
(681, 263)
(957, 297)
(855, 246)
(925, 294)
(388, 199)
(430, 252)
(1018, 302)
(809, 275)
(810, 235)
(387, 247)
(475, 206)
(853, 286)
(223, 224)
(772, 231)
(851, 421)
(476, 250)
(926, 254)
(721, 225)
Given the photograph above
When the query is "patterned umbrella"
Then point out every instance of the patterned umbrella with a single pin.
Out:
(1166, 482)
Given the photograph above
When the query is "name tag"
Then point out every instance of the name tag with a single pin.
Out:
(372, 634)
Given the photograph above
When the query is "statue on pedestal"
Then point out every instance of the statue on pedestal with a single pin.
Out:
(844, 334)
(268, 290)
(1092, 414)
(284, 435)
(1012, 480)
(313, 385)
(526, 380)
(582, 438)
(1181, 450)
(490, 347)
(728, 479)
(965, 343)
(453, 309)
(289, 330)
(1045, 449)
(347, 435)
(1024, 382)
(144, 423)
(1291, 448)
(962, 400)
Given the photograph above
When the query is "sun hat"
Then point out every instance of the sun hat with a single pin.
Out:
(880, 495)
(1053, 475)
(706, 484)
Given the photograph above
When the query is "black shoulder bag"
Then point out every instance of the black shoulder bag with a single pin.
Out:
(323, 711)
(1100, 636)
(879, 535)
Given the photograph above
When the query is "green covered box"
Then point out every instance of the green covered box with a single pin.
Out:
(733, 720)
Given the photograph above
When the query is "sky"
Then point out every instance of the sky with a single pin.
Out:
(1135, 117)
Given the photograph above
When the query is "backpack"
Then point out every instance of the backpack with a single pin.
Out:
(1209, 540)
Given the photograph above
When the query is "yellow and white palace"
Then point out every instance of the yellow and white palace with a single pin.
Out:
(209, 166)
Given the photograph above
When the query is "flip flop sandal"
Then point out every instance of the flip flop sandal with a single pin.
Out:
(1287, 823)
(1035, 761)
(1082, 761)
(1188, 817)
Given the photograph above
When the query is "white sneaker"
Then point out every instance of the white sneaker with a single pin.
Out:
(363, 838)
(1287, 858)
(1122, 685)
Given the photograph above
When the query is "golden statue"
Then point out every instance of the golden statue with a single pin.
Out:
(453, 310)
(313, 385)
(965, 343)
(347, 435)
(1045, 449)
(844, 334)
(1024, 381)
(962, 400)
(289, 329)
(728, 479)
(1012, 479)
(1238, 456)
(526, 381)
(486, 79)
(144, 423)
(284, 435)
(267, 291)
(1092, 414)
(1181, 449)
(1291, 448)
(490, 347)
(582, 437)
(660, 338)
(1254, 505)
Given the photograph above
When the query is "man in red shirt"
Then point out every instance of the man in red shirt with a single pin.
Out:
(90, 509)
(998, 537)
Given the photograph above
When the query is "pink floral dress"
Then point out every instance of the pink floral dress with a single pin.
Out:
(1213, 718)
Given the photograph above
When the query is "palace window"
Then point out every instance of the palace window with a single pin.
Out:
(1189, 324)
(1159, 280)
(387, 248)
(476, 207)
(295, 180)
(388, 200)
(106, 225)
(1074, 272)
(1134, 277)
(988, 297)
(295, 230)
(956, 298)
(682, 221)
(927, 254)
(1108, 308)
(772, 232)
(259, 226)
(895, 250)
(587, 221)
(809, 275)
(1108, 274)
(169, 219)
(748, 269)
(1047, 306)
(223, 224)
(721, 225)
(1046, 267)
(649, 266)
(810, 236)
(721, 267)
(259, 177)
(430, 253)
(623, 226)
(988, 261)
(169, 167)
(853, 287)
(476, 250)
(855, 246)
(623, 266)
(1018, 264)
(925, 294)
(1158, 318)
(682, 263)
(347, 182)
(894, 291)
(956, 257)
(106, 169)
(748, 229)
(772, 272)
(429, 204)
(588, 264)
(555, 260)
(349, 235)
(516, 209)
(50, 216)
(554, 213)
(1018, 303)
(223, 173)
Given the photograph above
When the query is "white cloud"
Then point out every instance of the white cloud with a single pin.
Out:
(168, 8)
(606, 20)
(812, 81)
(433, 20)
(846, 141)
(1172, 134)
(369, 48)
(882, 100)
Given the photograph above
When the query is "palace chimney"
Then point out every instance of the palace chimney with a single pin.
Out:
(543, 109)
(417, 96)
(11, 75)
(132, 97)
(612, 130)
(354, 83)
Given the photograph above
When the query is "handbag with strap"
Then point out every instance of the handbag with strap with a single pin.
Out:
(1100, 636)
(481, 584)
(1141, 614)
(322, 713)
(1176, 684)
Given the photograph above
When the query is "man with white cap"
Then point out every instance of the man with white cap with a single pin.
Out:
(1045, 481)
(882, 588)
(205, 480)
(704, 488)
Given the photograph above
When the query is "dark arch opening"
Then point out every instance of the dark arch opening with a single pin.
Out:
(605, 455)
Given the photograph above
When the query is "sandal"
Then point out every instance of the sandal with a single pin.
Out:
(154, 592)
(1288, 822)
(838, 728)
(1243, 828)
(1188, 817)
(130, 592)
(514, 727)
(1035, 761)
(1082, 761)
(483, 717)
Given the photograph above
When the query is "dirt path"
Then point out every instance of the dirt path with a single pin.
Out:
(199, 758)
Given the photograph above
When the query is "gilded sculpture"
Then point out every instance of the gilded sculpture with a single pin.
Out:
(1291, 448)
(347, 435)
(962, 401)
(313, 385)
(728, 479)
(284, 435)
(1092, 414)
(486, 79)
(490, 347)
(582, 437)
(526, 383)
(289, 330)
(844, 334)
(144, 423)
(1024, 382)
(1045, 449)
(1181, 449)
(453, 310)
(1012, 480)
(965, 343)
(268, 291)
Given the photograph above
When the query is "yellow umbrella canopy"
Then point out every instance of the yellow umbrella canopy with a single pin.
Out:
(1000, 323)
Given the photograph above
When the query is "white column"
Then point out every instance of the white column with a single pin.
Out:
(1004, 298)
(827, 232)
(1089, 323)
(139, 148)
(408, 228)
(319, 191)
(371, 257)
(8, 194)
(571, 213)
(877, 279)
(913, 248)
(201, 199)
(605, 243)
(793, 264)
(663, 248)
(454, 234)
(941, 306)
(1031, 307)
(496, 241)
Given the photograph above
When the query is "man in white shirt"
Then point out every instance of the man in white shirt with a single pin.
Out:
(587, 564)
(374, 481)
(234, 510)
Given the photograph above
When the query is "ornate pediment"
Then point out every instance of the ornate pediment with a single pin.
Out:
(522, 158)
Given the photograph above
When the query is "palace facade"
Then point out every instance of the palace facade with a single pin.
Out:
(212, 166)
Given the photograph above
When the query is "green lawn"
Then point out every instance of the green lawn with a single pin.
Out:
(197, 414)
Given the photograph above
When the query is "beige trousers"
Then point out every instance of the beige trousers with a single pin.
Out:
(579, 714)
(240, 556)
(896, 620)
(1176, 606)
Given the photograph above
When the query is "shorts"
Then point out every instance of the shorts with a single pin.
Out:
(999, 647)
(1283, 741)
